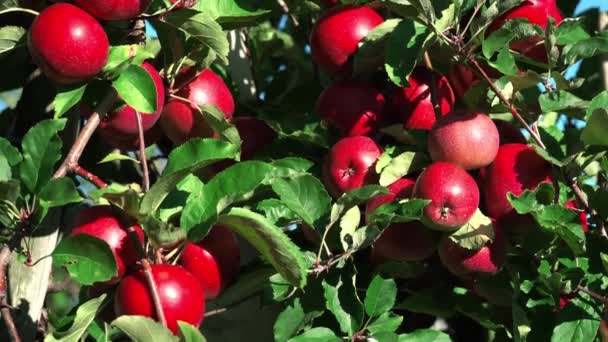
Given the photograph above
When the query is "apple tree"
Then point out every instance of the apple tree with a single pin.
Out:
(313, 170)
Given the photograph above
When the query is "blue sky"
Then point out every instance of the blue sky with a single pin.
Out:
(582, 6)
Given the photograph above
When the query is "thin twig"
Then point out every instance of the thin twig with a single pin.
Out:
(98, 182)
(479, 70)
(215, 312)
(593, 294)
(71, 161)
(142, 152)
(5, 309)
(147, 269)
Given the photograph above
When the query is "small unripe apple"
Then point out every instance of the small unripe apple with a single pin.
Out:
(469, 140)
(414, 104)
(124, 120)
(214, 261)
(509, 133)
(181, 120)
(353, 108)
(336, 35)
(114, 9)
(68, 44)
(255, 135)
(463, 262)
(105, 223)
(536, 12)
(517, 167)
(349, 164)
(180, 293)
(453, 193)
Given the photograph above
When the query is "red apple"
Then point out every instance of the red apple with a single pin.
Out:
(453, 193)
(509, 133)
(469, 140)
(462, 79)
(114, 9)
(349, 164)
(181, 296)
(68, 44)
(129, 142)
(214, 261)
(181, 120)
(463, 262)
(414, 105)
(105, 223)
(400, 189)
(255, 135)
(409, 241)
(124, 121)
(536, 12)
(516, 168)
(336, 35)
(353, 108)
(582, 214)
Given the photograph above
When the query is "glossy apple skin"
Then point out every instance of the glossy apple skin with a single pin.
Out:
(509, 133)
(467, 139)
(453, 193)
(255, 135)
(351, 107)
(215, 261)
(114, 9)
(516, 168)
(536, 12)
(349, 164)
(336, 35)
(105, 223)
(464, 262)
(124, 120)
(413, 104)
(181, 121)
(68, 44)
(181, 296)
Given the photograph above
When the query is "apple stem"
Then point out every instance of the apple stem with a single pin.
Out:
(479, 70)
(593, 294)
(5, 309)
(142, 152)
(433, 86)
(98, 182)
(147, 268)
(71, 161)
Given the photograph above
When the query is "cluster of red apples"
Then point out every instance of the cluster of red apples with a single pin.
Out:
(476, 161)
(200, 273)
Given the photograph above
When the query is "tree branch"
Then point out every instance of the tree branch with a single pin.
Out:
(98, 182)
(142, 152)
(5, 255)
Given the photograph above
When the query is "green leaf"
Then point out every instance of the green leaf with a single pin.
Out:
(87, 259)
(425, 335)
(84, 317)
(183, 160)
(10, 152)
(402, 211)
(276, 211)
(189, 333)
(5, 169)
(604, 258)
(563, 102)
(143, 329)
(578, 321)
(66, 98)
(597, 102)
(116, 157)
(513, 30)
(402, 165)
(565, 224)
(227, 187)
(59, 192)
(292, 320)
(270, 241)
(232, 13)
(123, 55)
(385, 323)
(380, 296)
(571, 31)
(406, 45)
(341, 299)
(217, 121)
(306, 196)
(12, 37)
(205, 32)
(586, 48)
(474, 234)
(319, 334)
(348, 230)
(376, 40)
(594, 132)
(41, 150)
(136, 87)
(532, 200)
